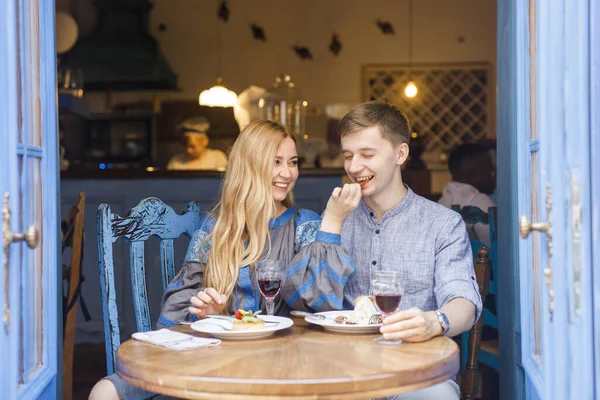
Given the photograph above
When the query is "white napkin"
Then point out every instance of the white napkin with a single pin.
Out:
(175, 340)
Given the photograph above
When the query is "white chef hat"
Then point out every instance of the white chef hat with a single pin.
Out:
(198, 125)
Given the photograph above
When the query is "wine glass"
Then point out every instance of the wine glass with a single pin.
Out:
(388, 292)
(269, 274)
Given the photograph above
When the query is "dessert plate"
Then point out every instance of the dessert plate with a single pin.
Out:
(221, 328)
(329, 323)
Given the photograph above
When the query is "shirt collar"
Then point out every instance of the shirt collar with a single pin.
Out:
(403, 205)
(282, 219)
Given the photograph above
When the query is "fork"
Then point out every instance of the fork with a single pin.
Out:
(374, 319)
(219, 325)
(310, 315)
(225, 318)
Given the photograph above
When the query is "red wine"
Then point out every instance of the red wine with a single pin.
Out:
(388, 302)
(269, 288)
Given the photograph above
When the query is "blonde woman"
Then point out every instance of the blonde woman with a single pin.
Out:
(254, 220)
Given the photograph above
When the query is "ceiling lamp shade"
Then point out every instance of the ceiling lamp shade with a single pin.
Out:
(218, 96)
(67, 32)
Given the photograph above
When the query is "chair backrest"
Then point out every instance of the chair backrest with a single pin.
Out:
(72, 230)
(151, 217)
(474, 215)
(469, 378)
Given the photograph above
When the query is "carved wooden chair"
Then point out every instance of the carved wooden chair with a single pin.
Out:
(489, 354)
(72, 236)
(151, 217)
(470, 376)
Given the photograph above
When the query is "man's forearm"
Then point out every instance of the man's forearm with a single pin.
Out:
(461, 315)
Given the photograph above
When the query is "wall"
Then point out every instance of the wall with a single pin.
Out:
(189, 42)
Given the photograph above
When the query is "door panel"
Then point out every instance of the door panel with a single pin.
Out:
(535, 195)
(29, 337)
(555, 252)
(578, 219)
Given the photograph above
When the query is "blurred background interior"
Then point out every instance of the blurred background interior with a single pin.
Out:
(146, 87)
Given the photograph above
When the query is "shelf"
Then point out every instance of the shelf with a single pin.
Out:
(68, 104)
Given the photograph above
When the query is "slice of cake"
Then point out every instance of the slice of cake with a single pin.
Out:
(364, 308)
(247, 321)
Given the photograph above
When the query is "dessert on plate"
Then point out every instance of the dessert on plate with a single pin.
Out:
(247, 321)
(364, 309)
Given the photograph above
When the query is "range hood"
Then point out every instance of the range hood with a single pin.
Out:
(120, 54)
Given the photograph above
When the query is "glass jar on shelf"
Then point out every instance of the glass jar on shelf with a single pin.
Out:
(70, 81)
(283, 103)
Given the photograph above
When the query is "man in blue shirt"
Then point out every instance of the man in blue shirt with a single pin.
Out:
(395, 229)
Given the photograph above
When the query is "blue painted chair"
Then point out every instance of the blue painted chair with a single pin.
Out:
(151, 217)
(488, 354)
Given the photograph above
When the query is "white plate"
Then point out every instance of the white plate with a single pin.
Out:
(330, 325)
(211, 326)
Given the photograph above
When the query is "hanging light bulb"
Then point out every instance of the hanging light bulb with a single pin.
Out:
(218, 96)
(410, 90)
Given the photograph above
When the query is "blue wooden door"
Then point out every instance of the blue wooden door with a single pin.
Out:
(29, 269)
(551, 111)
(594, 211)
(537, 194)
(577, 177)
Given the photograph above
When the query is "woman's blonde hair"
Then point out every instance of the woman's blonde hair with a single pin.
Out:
(241, 230)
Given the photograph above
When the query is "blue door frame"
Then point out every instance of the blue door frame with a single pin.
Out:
(594, 17)
(509, 315)
(30, 334)
(566, 64)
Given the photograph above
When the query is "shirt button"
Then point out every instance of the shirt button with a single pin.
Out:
(377, 231)
(374, 262)
(371, 214)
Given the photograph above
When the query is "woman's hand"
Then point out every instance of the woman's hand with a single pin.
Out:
(341, 203)
(207, 301)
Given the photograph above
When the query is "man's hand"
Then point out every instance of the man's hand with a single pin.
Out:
(207, 301)
(411, 325)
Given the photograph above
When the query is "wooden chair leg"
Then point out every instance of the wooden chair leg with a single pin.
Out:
(70, 319)
(470, 377)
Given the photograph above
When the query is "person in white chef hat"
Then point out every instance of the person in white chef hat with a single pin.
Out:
(197, 155)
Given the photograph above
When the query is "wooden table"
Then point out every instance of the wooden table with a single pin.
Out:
(298, 363)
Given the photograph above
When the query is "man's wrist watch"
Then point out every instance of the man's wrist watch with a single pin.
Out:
(443, 320)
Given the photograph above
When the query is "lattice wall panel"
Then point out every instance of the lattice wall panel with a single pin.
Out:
(451, 106)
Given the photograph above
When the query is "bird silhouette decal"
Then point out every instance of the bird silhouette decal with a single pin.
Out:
(335, 46)
(303, 52)
(386, 27)
(258, 32)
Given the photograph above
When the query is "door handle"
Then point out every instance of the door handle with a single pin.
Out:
(30, 237)
(526, 227)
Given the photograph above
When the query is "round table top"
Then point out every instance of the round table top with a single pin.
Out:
(300, 363)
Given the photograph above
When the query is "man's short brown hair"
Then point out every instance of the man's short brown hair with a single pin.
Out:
(393, 123)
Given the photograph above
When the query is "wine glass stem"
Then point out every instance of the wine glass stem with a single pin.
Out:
(270, 306)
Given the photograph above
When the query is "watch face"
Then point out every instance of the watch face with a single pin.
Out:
(444, 322)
